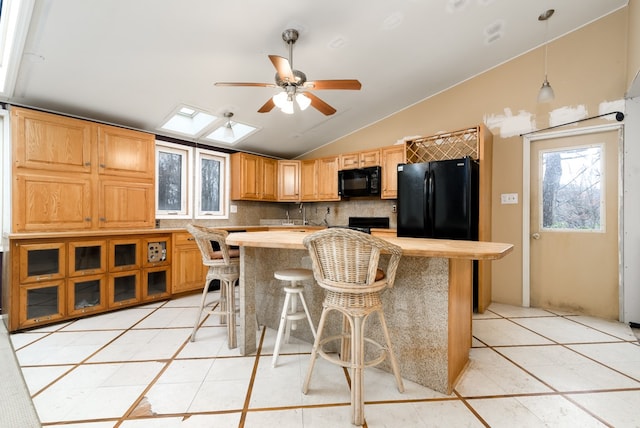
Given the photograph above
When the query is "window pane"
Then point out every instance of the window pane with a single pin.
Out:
(210, 185)
(572, 191)
(169, 181)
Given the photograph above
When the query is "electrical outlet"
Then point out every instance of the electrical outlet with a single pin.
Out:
(234, 208)
(393, 208)
(328, 210)
(509, 198)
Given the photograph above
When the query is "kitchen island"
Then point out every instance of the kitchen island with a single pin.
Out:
(428, 311)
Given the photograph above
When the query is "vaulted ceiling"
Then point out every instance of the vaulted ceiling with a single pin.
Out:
(133, 62)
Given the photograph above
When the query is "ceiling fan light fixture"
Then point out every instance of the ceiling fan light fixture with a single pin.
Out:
(303, 101)
(280, 99)
(287, 107)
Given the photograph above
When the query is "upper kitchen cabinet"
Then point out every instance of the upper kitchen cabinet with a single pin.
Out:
(64, 170)
(319, 179)
(391, 157)
(253, 178)
(44, 141)
(288, 180)
(360, 159)
(125, 153)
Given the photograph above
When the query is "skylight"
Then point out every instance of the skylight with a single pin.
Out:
(226, 135)
(188, 121)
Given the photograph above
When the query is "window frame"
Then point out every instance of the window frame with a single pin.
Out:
(192, 182)
(224, 186)
(185, 211)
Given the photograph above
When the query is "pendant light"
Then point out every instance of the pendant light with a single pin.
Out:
(546, 91)
(228, 127)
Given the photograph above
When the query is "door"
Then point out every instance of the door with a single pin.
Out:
(413, 219)
(454, 199)
(574, 223)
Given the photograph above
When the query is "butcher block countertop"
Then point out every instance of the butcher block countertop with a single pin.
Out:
(417, 247)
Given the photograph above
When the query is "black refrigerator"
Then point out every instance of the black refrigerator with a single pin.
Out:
(440, 199)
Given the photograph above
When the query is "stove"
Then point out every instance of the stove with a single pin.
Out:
(365, 224)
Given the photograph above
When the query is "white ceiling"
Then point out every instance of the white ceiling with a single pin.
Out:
(132, 62)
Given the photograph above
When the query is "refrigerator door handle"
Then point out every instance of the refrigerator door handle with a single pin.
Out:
(430, 199)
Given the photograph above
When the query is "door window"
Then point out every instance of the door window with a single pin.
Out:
(571, 189)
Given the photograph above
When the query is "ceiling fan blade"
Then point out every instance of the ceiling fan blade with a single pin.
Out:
(267, 107)
(264, 85)
(334, 84)
(320, 105)
(283, 68)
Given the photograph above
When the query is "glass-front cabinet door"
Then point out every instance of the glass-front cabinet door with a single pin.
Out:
(42, 262)
(124, 288)
(156, 283)
(87, 294)
(124, 254)
(87, 257)
(41, 302)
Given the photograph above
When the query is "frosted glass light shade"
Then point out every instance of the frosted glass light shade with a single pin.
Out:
(546, 92)
(303, 101)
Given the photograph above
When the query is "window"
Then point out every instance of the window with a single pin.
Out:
(572, 190)
(212, 184)
(173, 176)
(191, 183)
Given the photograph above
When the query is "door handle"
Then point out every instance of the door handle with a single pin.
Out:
(536, 235)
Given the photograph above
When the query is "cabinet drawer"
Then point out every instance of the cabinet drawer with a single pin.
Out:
(181, 239)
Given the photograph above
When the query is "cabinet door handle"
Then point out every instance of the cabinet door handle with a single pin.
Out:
(103, 219)
(87, 219)
(191, 239)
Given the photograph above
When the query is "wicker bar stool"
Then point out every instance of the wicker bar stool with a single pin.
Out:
(345, 264)
(224, 265)
(290, 312)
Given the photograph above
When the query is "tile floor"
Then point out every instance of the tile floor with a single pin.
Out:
(137, 368)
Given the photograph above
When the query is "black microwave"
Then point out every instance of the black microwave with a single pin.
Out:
(359, 182)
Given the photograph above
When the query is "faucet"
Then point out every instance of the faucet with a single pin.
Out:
(304, 214)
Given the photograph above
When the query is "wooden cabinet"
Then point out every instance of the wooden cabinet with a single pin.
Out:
(189, 273)
(71, 174)
(308, 179)
(253, 177)
(360, 159)
(288, 180)
(55, 279)
(391, 157)
(319, 179)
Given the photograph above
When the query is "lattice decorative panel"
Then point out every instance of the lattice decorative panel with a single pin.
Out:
(453, 145)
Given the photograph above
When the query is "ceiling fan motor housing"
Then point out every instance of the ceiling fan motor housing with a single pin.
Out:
(300, 79)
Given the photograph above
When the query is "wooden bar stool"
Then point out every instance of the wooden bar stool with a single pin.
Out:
(290, 312)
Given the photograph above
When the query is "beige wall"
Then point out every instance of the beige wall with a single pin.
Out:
(633, 48)
(585, 68)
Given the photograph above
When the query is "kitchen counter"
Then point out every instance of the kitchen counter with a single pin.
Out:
(428, 311)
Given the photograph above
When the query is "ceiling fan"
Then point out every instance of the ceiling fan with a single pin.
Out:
(295, 84)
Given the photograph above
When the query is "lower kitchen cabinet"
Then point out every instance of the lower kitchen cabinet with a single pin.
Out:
(189, 273)
(86, 294)
(56, 279)
(39, 303)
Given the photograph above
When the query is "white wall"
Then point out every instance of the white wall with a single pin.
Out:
(631, 212)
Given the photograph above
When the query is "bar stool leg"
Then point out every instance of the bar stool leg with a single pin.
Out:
(314, 351)
(281, 327)
(231, 312)
(357, 364)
